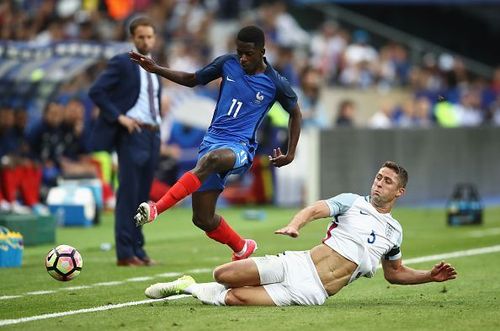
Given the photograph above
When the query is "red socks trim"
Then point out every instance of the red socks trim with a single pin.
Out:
(186, 185)
(226, 235)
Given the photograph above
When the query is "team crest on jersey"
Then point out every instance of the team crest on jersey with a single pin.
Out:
(389, 231)
(259, 97)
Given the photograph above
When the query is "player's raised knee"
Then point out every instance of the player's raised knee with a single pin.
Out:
(223, 274)
(201, 222)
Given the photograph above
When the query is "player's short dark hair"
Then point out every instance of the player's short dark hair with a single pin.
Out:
(140, 21)
(252, 34)
(399, 170)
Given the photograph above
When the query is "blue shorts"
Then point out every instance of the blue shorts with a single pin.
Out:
(244, 159)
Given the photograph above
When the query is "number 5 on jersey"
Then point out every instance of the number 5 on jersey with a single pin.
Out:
(235, 102)
(372, 237)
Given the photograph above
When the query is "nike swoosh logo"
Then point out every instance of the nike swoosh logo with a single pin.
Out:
(362, 212)
(229, 79)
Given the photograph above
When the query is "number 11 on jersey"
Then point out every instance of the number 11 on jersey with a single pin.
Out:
(233, 103)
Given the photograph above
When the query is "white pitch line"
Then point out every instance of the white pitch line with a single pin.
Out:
(468, 252)
(5, 297)
(40, 292)
(72, 288)
(484, 233)
(198, 271)
(86, 310)
(169, 274)
(139, 279)
(113, 283)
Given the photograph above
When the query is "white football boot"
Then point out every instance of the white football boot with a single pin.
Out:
(163, 290)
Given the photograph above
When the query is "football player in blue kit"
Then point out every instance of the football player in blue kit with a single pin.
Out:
(248, 89)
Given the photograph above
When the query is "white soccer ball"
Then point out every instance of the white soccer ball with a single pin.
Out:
(63, 263)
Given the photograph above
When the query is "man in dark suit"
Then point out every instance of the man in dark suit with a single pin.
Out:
(128, 98)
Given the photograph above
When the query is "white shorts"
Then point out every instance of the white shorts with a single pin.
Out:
(290, 278)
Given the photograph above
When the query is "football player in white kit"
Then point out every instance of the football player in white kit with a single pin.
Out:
(361, 233)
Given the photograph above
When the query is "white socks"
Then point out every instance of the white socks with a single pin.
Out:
(209, 293)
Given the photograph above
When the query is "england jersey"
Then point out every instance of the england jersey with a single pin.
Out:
(243, 99)
(361, 234)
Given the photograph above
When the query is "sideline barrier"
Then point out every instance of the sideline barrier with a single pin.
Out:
(36, 230)
(436, 159)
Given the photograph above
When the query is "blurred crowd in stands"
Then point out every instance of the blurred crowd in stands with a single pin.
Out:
(441, 90)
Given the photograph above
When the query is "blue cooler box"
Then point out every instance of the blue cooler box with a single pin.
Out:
(92, 183)
(11, 248)
(72, 205)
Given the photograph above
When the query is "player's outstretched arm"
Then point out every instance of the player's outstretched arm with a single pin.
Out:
(179, 77)
(317, 210)
(396, 273)
(278, 159)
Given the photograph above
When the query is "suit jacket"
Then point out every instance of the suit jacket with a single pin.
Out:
(115, 91)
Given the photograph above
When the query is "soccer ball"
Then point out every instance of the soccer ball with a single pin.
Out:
(63, 263)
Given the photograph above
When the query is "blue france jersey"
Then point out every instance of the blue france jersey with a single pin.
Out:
(244, 99)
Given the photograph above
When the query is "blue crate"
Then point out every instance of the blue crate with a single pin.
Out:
(11, 248)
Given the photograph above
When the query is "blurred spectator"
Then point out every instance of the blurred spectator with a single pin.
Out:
(280, 28)
(87, 31)
(403, 115)
(346, 113)
(55, 32)
(382, 118)
(20, 175)
(422, 112)
(47, 142)
(432, 76)
(285, 64)
(495, 82)
(393, 66)
(413, 112)
(326, 49)
(288, 31)
(359, 62)
(458, 76)
(469, 109)
(313, 110)
(184, 56)
(58, 143)
(75, 161)
(494, 112)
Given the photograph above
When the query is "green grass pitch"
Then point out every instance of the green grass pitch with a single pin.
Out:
(471, 302)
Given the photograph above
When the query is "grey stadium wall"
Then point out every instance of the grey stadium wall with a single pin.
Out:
(436, 159)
